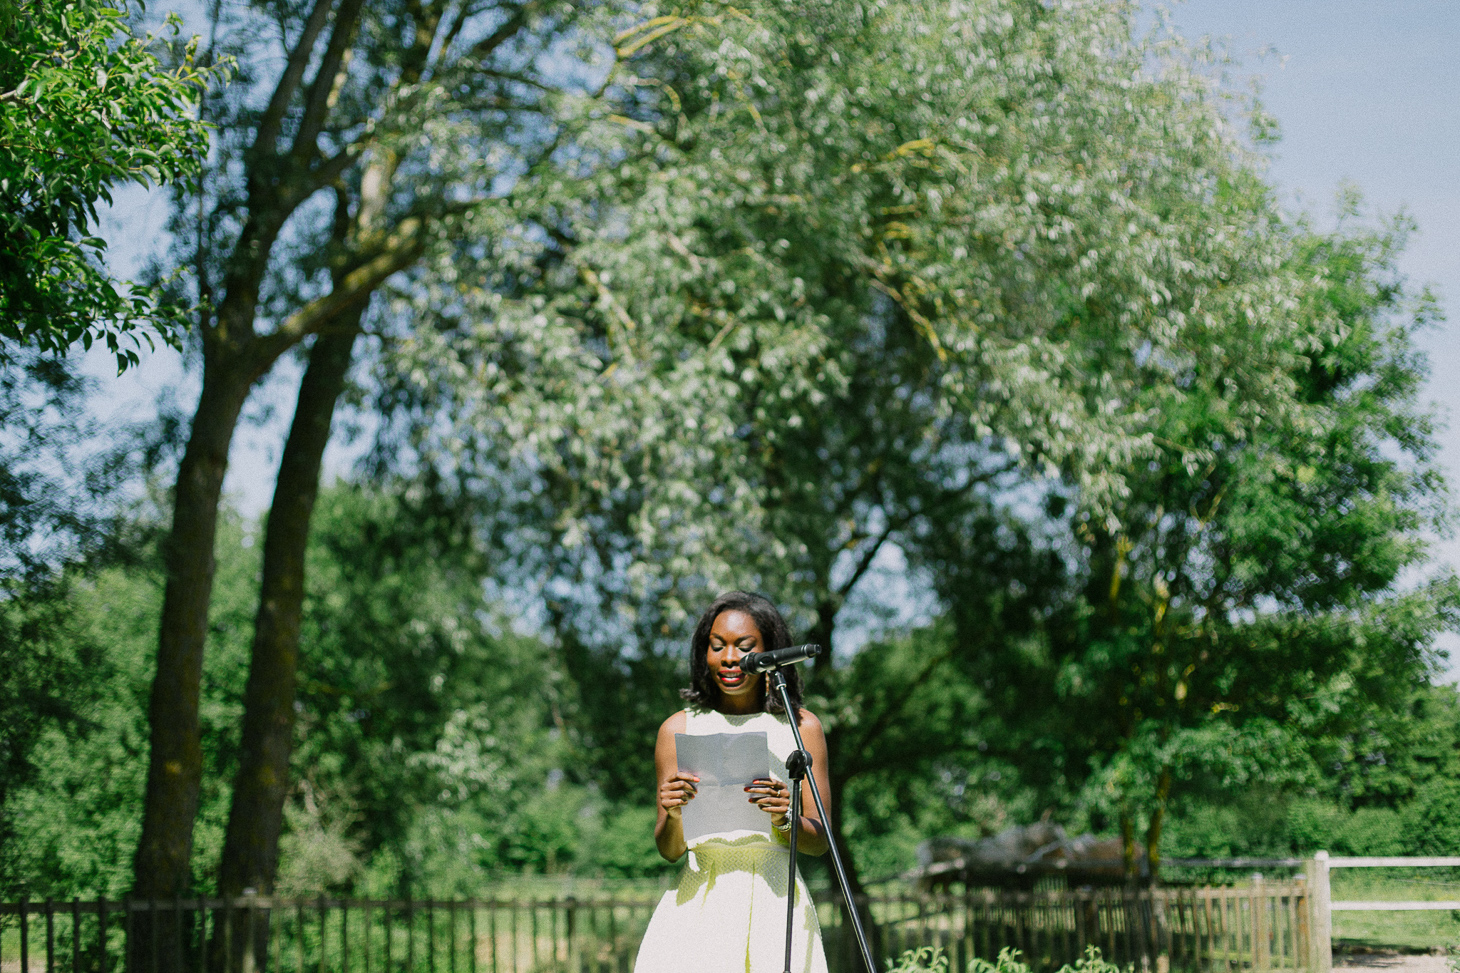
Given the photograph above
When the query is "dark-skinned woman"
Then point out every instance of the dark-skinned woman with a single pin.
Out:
(729, 911)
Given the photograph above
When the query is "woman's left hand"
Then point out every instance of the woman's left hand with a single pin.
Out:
(771, 796)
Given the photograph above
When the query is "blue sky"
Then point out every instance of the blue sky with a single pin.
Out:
(1365, 91)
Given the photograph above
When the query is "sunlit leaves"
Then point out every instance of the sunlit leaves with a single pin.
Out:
(85, 107)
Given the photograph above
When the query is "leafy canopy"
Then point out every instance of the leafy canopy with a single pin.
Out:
(86, 106)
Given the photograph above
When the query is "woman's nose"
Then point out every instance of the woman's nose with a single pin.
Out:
(733, 655)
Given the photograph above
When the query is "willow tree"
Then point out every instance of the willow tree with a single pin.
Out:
(863, 269)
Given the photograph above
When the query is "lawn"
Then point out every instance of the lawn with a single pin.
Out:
(1402, 930)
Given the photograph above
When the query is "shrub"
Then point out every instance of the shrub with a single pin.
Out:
(930, 959)
(1432, 820)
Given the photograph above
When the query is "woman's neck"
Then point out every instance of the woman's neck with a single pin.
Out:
(731, 707)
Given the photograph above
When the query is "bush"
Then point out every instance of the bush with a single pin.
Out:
(1318, 824)
(930, 959)
(1432, 820)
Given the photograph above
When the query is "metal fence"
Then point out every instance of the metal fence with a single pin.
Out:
(1259, 927)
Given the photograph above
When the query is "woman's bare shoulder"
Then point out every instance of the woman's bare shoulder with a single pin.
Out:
(675, 723)
(809, 721)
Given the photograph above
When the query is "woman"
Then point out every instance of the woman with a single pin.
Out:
(729, 912)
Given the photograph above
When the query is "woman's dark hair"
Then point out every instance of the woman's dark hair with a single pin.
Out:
(774, 634)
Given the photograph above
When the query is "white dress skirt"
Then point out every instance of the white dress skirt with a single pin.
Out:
(728, 914)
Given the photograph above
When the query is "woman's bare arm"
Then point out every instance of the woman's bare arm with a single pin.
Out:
(774, 797)
(814, 838)
(675, 790)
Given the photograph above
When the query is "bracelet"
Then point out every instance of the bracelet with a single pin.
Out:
(783, 829)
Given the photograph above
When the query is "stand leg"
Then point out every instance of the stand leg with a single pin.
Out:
(796, 771)
(778, 685)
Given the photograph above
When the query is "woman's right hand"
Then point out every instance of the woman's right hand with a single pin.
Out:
(676, 792)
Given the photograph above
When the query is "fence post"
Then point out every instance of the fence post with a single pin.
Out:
(1261, 955)
(1320, 916)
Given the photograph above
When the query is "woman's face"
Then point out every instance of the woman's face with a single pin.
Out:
(734, 635)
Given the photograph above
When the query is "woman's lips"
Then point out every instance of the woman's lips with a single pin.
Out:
(731, 677)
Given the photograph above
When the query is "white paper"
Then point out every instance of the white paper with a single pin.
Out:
(725, 763)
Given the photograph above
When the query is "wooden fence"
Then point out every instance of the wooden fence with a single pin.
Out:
(1258, 927)
(1317, 870)
(1261, 927)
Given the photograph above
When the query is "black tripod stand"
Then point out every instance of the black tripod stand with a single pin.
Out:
(797, 765)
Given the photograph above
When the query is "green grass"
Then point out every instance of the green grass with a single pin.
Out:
(1396, 930)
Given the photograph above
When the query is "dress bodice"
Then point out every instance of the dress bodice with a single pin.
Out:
(776, 727)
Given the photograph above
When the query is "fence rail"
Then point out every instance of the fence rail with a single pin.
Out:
(1318, 870)
(1258, 927)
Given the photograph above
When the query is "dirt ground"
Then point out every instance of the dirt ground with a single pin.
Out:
(1389, 962)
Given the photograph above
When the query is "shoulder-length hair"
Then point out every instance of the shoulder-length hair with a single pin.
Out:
(774, 634)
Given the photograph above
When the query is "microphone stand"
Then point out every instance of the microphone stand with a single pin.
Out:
(797, 765)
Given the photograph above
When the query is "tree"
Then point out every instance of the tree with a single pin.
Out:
(1246, 597)
(867, 272)
(409, 119)
(425, 742)
(74, 808)
(85, 107)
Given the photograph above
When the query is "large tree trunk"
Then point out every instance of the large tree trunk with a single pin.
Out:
(1128, 843)
(836, 744)
(821, 634)
(285, 166)
(174, 774)
(251, 846)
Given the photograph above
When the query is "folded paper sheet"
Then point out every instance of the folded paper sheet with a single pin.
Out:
(725, 763)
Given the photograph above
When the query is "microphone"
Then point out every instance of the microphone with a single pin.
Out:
(754, 662)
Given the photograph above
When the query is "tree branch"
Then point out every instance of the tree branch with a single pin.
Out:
(867, 557)
(488, 45)
(316, 102)
(893, 709)
(334, 167)
(463, 11)
(399, 250)
(272, 122)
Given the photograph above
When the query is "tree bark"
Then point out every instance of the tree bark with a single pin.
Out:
(251, 845)
(851, 957)
(250, 848)
(174, 774)
(285, 166)
(1158, 819)
(821, 634)
(1128, 842)
(176, 758)
(836, 744)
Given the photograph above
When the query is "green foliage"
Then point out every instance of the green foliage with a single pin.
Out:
(988, 283)
(930, 959)
(853, 277)
(910, 742)
(85, 106)
(1384, 788)
(429, 757)
(960, 281)
(1432, 819)
(1240, 619)
(75, 815)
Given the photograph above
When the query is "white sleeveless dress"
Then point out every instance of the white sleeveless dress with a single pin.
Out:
(729, 913)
